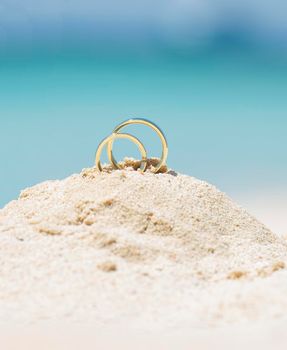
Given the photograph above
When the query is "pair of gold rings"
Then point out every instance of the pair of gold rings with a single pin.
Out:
(109, 141)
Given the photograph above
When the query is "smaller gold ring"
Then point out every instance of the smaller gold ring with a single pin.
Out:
(109, 141)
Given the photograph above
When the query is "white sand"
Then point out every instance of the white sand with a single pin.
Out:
(155, 251)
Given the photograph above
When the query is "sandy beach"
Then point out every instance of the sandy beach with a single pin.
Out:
(154, 254)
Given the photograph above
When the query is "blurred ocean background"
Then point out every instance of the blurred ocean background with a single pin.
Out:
(212, 74)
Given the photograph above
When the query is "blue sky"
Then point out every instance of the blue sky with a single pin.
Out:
(179, 23)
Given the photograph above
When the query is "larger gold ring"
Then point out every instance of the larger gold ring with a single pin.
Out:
(149, 124)
(110, 139)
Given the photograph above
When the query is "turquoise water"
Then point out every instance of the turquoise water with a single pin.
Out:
(224, 114)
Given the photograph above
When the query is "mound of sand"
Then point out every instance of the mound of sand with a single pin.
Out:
(149, 249)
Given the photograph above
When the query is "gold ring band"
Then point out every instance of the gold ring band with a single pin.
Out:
(152, 126)
(110, 139)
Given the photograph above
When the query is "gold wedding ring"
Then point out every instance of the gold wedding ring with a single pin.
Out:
(109, 141)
